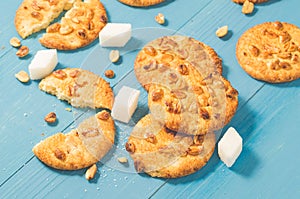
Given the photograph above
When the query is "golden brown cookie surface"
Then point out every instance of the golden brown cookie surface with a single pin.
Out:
(79, 27)
(162, 153)
(141, 3)
(81, 88)
(33, 15)
(187, 90)
(270, 52)
(80, 147)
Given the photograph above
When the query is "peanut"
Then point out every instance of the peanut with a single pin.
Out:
(15, 42)
(114, 56)
(23, 51)
(50, 117)
(22, 76)
(91, 172)
(222, 31)
(248, 7)
(160, 18)
(109, 74)
(122, 160)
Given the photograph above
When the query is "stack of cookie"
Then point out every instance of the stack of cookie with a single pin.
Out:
(188, 99)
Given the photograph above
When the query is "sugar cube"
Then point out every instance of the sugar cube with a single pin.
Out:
(42, 64)
(230, 146)
(115, 34)
(125, 104)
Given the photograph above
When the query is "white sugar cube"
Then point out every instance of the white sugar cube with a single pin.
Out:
(230, 146)
(125, 104)
(115, 34)
(43, 63)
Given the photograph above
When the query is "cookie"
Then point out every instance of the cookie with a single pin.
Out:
(253, 1)
(33, 16)
(270, 52)
(79, 27)
(79, 87)
(191, 72)
(141, 3)
(79, 148)
(188, 111)
(166, 154)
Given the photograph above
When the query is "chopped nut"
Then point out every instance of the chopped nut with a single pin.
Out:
(109, 73)
(60, 154)
(68, 109)
(23, 51)
(122, 160)
(104, 115)
(60, 74)
(198, 139)
(270, 34)
(167, 58)
(204, 114)
(50, 117)
(195, 149)
(285, 65)
(22, 76)
(150, 67)
(160, 18)
(173, 78)
(65, 30)
(284, 37)
(183, 69)
(157, 94)
(53, 28)
(221, 32)
(150, 137)
(15, 42)
(278, 25)
(74, 73)
(254, 50)
(248, 7)
(178, 94)
(91, 172)
(130, 147)
(285, 55)
(82, 34)
(173, 106)
(36, 6)
(37, 15)
(149, 50)
(114, 56)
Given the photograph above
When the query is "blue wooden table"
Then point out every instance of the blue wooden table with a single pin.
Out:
(267, 118)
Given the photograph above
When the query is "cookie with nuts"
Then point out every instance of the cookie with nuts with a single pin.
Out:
(163, 153)
(33, 15)
(186, 89)
(253, 1)
(270, 52)
(141, 3)
(81, 147)
(79, 27)
(79, 87)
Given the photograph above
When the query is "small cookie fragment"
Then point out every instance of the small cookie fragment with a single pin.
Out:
(109, 74)
(50, 117)
(114, 56)
(23, 51)
(222, 31)
(22, 76)
(253, 1)
(91, 172)
(160, 18)
(230, 146)
(248, 7)
(15, 42)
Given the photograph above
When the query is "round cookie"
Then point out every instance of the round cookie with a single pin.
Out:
(81, 147)
(191, 72)
(163, 153)
(141, 3)
(270, 52)
(79, 27)
(253, 1)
